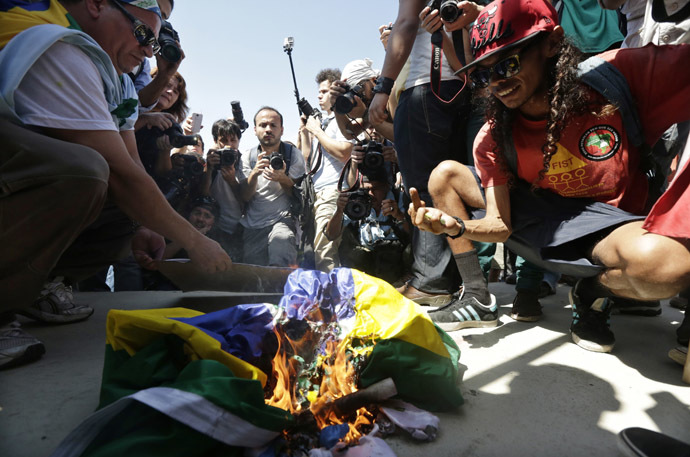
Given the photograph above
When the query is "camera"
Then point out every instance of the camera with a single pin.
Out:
(175, 136)
(358, 205)
(448, 9)
(228, 157)
(346, 102)
(167, 40)
(276, 160)
(238, 115)
(176, 183)
(306, 109)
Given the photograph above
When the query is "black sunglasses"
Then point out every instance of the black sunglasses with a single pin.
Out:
(142, 32)
(504, 69)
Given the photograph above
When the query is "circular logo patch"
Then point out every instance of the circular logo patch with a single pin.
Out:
(600, 143)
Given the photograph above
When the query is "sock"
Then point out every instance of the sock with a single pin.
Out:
(6, 318)
(472, 276)
(589, 289)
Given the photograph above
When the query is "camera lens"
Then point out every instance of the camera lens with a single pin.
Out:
(276, 161)
(449, 11)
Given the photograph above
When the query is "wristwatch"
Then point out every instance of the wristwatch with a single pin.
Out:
(383, 85)
(462, 229)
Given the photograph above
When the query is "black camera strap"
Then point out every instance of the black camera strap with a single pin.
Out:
(437, 62)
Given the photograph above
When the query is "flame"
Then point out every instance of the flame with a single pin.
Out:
(335, 375)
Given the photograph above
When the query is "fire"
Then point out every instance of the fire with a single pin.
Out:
(314, 368)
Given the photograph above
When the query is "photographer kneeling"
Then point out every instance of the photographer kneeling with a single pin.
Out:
(375, 232)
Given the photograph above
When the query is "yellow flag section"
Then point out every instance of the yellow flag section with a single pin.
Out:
(132, 331)
(409, 347)
(16, 16)
(384, 312)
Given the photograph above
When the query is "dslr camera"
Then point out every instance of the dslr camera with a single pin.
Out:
(175, 136)
(167, 40)
(358, 205)
(228, 157)
(276, 160)
(176, 183)
(346, 102)
(448, 9)
(373, 163)
(238, 115)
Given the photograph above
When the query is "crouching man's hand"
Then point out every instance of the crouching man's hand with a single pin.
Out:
(207, 255)
(430, 219)
(147, 247)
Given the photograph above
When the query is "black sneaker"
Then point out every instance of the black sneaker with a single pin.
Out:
(639, 442)
(465, 312)
(590, 328)
(526, 307)
(636, 307)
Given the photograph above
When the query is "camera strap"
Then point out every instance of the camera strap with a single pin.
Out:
(437, 62)
(341, 179)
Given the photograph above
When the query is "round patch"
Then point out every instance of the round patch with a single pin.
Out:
(600, 143)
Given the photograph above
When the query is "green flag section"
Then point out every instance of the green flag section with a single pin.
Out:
(158, 404)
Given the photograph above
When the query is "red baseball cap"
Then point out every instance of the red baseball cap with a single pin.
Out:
(505, 24)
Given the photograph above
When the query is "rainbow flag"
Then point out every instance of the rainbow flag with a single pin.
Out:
(174, 377)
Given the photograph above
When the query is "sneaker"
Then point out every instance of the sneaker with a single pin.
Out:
(18, 347)
(545, 290)
(590, 328)
(679, 302)
(465, 312)
(424, 298)
(526, 307)
(639, 442)
(679, 355)
(55, 305)
(636, 307)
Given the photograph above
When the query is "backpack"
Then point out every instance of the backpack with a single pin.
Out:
(606, 79)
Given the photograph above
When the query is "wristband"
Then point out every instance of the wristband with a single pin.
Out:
(462, 229)
(383, 85)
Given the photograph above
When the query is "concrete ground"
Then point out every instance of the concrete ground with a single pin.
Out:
(528, 390)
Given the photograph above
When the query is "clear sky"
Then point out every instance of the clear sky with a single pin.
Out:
(234, 51)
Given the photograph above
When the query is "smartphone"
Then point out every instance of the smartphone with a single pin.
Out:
(196, 122)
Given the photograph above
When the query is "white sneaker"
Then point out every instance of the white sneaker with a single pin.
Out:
(55, 305)
(18, 347)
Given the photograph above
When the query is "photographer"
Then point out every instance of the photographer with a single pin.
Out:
(351, 97)
(270, 171)
(222, 182)
(374, 231)
(326, 152)
(152, 128)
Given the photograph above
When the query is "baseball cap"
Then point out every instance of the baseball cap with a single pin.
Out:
(207, 202)
(506, 24)
(150, 5)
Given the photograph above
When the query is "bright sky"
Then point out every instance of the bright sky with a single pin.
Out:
(234, 51)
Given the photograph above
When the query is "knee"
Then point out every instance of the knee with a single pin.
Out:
(659, 262)
(444, 174)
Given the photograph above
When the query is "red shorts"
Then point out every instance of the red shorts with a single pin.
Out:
(670, 214)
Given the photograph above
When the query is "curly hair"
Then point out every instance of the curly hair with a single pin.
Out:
(567, 98)
(327, 74)
(179, 108)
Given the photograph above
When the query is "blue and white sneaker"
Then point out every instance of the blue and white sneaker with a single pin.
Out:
(465, 312)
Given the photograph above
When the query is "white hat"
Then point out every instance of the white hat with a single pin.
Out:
(358, 71)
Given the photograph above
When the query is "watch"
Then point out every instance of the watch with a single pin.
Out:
(383, 85)
(462, 229)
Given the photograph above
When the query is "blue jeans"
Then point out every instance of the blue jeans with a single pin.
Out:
(427, 132)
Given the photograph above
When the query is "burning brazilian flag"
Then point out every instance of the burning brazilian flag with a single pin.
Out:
(174, 377)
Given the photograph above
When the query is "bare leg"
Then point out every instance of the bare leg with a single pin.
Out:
(453, 187)
(643, 265)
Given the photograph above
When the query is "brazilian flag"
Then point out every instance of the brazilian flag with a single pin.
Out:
(177, 382)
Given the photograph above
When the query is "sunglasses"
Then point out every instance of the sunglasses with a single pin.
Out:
(506, 68)
(142, 32)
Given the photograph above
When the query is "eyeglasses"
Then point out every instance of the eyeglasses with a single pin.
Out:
(506, 68)
(142, 32)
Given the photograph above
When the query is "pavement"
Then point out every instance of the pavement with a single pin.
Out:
(528, 390)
